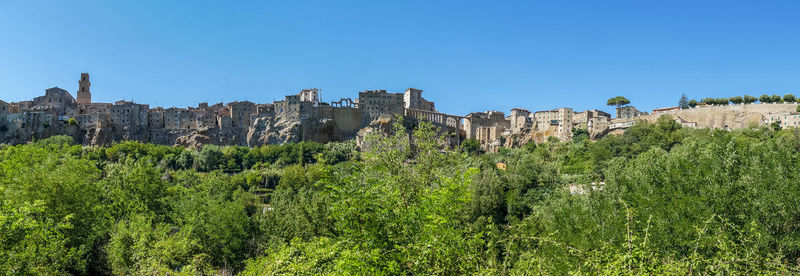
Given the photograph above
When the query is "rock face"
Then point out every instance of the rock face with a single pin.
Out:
(720, 117)
(278, 129)
(197, 138)
(272, 130)
(263, 130)
(194, 140)
(97, 136)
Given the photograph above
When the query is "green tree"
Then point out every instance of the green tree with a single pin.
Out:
(471, 146)
(336, 152)
(749, 99)
(56, 141)
(579, 134)
(185, 159)
(32, 243)
(776, 98)
(776, 126)
(210, 158)
(693, 103)
(683, 102)
(618, 101)
(65, 185)
(789, 98)
(737, 99)
(708, 101)
(765, 98)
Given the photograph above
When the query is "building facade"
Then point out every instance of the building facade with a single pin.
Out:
(627, 112)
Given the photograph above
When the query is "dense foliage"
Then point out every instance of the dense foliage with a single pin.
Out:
(746, 99)
(672, 201)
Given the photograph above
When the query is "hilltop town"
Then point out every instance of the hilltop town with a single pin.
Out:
(304, 117)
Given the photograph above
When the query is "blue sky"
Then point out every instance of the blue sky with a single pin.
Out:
(466, 55)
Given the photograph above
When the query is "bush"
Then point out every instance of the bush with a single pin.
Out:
(58, 140)
(31, 243)
(471, 146)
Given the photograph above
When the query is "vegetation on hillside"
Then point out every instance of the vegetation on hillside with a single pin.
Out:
(674, 201)
(746, 99)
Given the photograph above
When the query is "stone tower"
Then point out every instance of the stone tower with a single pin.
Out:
(84, 96)
(412, 98)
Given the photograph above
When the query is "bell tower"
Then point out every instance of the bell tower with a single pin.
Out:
(84, 96)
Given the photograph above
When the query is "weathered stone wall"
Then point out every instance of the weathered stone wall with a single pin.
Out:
(349, 120)
(720, 117)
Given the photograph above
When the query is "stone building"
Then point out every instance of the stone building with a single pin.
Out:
(412, 99)
(125, 113)
(155, 118)
(54, 101)
(279, 106)
(375, 103)
(597, 126)
(101, 108)
(593, 120)
(489, 137)
(22, 106)
(486, 127)
(665, 109)
(299, 106)
(292, 104)
(224, 122)
(4, 107)
(520, 120)
(84, 96)
(204, 119)
(786, 120)
(560, 118)
(627, 112)
(265, 109)
(177, 118)
(309, 95)
(240, 113)
(90, 120)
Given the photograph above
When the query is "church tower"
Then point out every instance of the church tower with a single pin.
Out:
(84, 96)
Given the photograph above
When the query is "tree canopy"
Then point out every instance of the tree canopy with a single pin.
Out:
(618, 101)
(683, 102)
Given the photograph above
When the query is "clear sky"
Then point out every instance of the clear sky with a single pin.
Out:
(466, 55)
